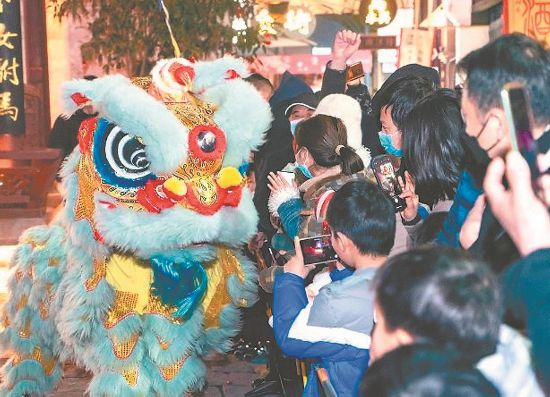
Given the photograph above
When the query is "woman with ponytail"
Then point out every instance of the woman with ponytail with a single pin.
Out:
(325, 159)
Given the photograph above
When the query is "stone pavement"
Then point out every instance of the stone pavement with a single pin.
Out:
(229, 377)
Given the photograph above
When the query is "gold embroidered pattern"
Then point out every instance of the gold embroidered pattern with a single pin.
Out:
(44, 306)
(53, 262)
(100, 270)
(164, 345)
(205, 190)
(18, 275)
(35, 245)
(217, 295)
(131, 376)
(155, 306)
(22, 302)
(25, 332)
(142, 82)
(169, 372)
(124, 349)
(47, 363)
(123, 306)
(192, 113)
(6, 321)
(88, 183)
(197, 169)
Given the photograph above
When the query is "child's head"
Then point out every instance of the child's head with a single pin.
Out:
(440, 296)
(424, 370)
(362, 221)
(263, 85)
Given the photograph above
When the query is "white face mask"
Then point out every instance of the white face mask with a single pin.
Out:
(294, 124)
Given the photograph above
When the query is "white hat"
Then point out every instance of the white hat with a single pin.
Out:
(348, 110)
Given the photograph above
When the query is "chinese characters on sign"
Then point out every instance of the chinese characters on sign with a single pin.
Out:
(12, 114)
(416, 46)
(529, 17)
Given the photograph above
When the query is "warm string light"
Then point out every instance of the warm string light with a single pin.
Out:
(298, 20)
(378, 13)
(266, 23)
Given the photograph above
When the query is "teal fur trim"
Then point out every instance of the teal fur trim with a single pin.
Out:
(137, 114)
(25, 345)
(191, 377)
(219, 339)
(23, 388)
(113, 384)
(181, 337)
(31, 371)
(213, 73)
(100, 351)
(70, 163)
(243, 115)
(140, 232)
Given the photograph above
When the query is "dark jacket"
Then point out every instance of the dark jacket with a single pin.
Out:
(526, 289)
(64, 133)
(334, 82)
(277, 151)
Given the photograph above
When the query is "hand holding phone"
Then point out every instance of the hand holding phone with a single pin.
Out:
(387, 180)
(317, 250)
(517, 107)
(354, 72)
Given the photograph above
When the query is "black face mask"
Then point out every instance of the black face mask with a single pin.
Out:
(476, 159)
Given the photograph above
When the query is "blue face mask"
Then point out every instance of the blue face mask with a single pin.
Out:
(385, 140)
(304, 170)
(293, 125)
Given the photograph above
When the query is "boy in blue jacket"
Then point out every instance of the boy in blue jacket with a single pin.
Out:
(334, 329)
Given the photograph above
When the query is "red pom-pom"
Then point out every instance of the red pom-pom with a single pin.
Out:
(79, 99)
(231, 74)
(184, 75)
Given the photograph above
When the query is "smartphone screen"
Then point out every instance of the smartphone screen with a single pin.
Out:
(289, 176)
(354, 71)
(517, 106)
(317, 250)
(387, 180)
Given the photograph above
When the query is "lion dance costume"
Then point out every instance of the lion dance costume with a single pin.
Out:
(139, 274)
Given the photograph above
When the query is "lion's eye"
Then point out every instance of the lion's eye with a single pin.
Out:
(207, 141)
(120, 158)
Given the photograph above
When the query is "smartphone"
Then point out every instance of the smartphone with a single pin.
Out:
(289, 176)
(387, 180)
(354, 71)
(317, 250)
(517, 106)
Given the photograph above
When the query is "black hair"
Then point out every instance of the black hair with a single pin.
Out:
(90, 77)
(513, 57)
(442, 296)
(324, 136)
(427, 231)
(259, 81)
(424, 370)
(363, 213)
(403, 94)
(432, 145)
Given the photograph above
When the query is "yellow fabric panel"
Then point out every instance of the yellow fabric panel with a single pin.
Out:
(217, 295)
(127, 273)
